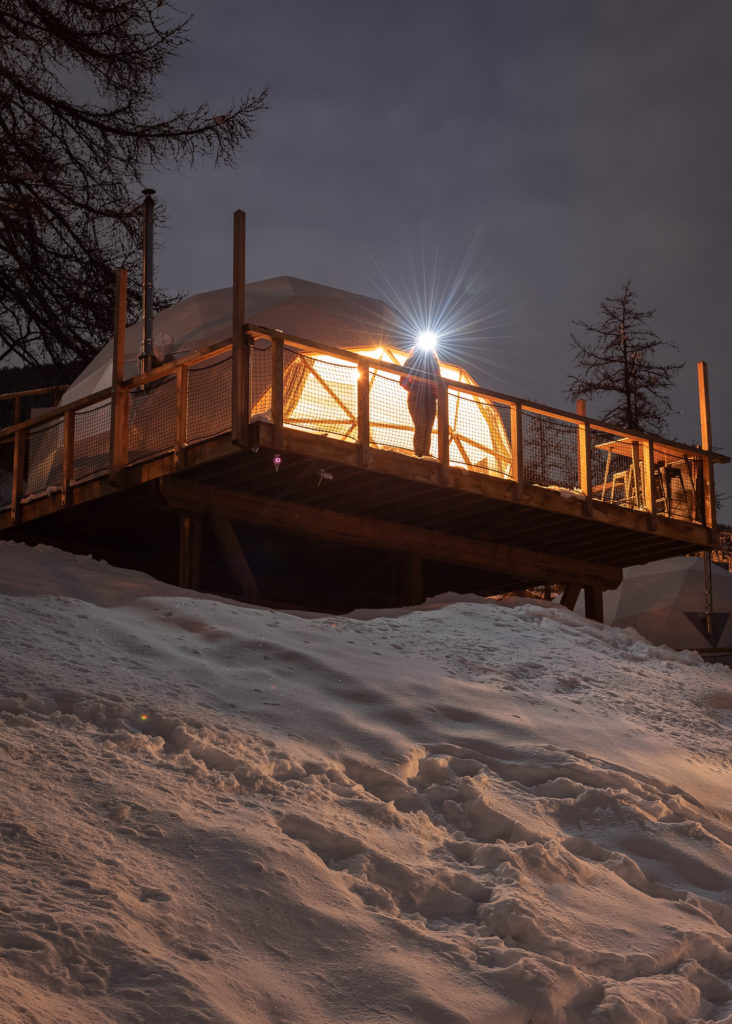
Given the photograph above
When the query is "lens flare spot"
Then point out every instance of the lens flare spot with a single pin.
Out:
(427, 340)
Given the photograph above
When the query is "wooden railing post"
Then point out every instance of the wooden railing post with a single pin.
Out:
(635, 462)
(584, 453)
(364, 411)
(443, 429)
(517, 447)
(710, 511)
(649, 488)
(16, 501)
(240, 399)
(120, 398)
(278, 373)
(67, 470)
(181, 414)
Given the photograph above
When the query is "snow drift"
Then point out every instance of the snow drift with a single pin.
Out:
(470, 812)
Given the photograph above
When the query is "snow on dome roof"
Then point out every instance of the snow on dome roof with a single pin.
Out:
(317, 312)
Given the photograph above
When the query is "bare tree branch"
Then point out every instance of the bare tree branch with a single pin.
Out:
(80, 128)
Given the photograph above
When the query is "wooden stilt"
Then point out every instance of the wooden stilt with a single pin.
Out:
(410, 571)
(570, 595)
(189, 560)
(235, 558)
(593, 602)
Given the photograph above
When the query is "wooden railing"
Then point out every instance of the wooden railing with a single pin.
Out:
(170, 409)
(17, 398)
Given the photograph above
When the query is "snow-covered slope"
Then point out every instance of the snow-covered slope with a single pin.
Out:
(463, 814)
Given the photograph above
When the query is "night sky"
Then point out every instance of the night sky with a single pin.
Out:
(519, 159)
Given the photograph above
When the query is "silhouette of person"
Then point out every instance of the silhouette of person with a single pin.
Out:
(422, 396)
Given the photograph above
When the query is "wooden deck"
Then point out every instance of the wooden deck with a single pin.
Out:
(224, 471)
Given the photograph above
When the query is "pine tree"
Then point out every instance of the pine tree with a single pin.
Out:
(617, 359)
(79, 128)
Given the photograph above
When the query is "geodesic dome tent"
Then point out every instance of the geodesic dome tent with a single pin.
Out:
(665, 602)
(320, 390)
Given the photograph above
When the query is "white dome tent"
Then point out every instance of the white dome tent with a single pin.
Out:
(320, 389)
(665, 602)
(326, 315)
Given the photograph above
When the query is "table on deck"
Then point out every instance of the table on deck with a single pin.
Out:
(664, 474)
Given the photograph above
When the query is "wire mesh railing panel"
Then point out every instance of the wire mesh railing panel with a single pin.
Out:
(617, 469)
(91, 440)
(152, 420)
(550, 451)
(320, 394)
(45, 452)
(392, 425)
(260, 378)
(479, 433)
(209, 399)
(678, 484)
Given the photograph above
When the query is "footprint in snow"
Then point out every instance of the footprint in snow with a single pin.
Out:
(148, 893)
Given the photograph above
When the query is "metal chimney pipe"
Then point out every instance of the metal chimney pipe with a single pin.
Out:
(148, 216)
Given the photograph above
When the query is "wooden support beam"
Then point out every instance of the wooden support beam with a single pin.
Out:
(181, 413)
(120, 320)
(443, 430)
(593, 601)
(235, 557)
(278, 387)
(570, 595)
(637, 483)
(322, 524)
(517, 447)
(649, 483)
(410, 571)
(120, 398)
(704, 410)
(427, 471)
(67, 458)
(120, 439)
(364, 411)
(240, 391)
(19, 452)
(584, 454)
(189, 560)
(710, 511)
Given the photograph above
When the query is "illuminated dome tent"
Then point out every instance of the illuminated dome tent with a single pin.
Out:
(320, 390)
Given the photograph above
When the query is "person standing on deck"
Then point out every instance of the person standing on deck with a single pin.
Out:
(422, 394)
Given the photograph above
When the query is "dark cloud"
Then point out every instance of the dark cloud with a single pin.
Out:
(570, 144)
